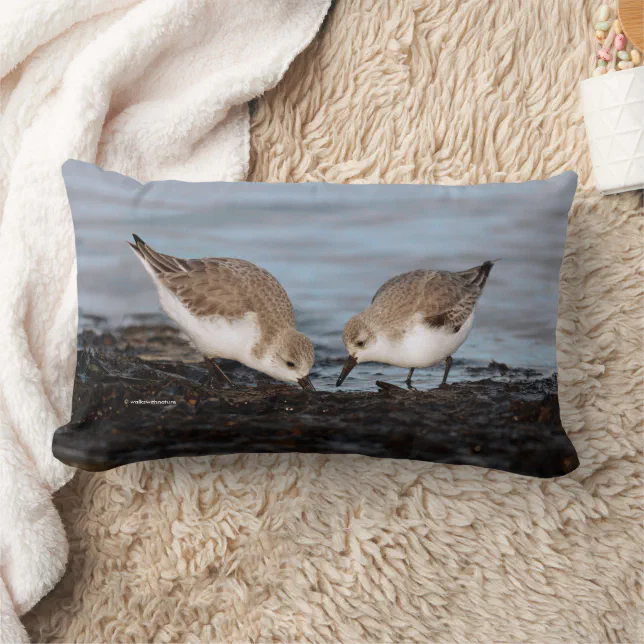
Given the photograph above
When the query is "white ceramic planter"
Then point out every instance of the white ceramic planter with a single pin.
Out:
(613, 107)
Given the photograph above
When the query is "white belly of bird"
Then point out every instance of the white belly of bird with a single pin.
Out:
(422, 346)
(215, 336)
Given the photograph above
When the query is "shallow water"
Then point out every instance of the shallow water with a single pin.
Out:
(331, 262)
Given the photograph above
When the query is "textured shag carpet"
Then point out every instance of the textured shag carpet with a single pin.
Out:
(321, 548)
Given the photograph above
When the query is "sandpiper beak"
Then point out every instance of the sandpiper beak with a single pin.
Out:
(306, 384)
(348, 365)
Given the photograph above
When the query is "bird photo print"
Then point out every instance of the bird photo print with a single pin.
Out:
(389, 321)
(415, 320)
(230, 308)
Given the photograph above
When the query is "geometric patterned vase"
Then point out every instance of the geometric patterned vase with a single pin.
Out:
(613, 107)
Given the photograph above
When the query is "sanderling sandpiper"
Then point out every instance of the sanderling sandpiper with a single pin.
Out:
(232, 309)
(415, 320)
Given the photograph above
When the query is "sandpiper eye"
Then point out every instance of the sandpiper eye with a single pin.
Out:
(360, 344)
(290, 364)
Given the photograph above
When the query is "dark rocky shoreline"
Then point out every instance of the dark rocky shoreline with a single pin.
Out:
(511, 424)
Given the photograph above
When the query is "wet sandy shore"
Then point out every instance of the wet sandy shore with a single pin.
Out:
(143, 393)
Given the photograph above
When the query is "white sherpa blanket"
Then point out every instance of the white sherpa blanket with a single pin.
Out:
(154, 89)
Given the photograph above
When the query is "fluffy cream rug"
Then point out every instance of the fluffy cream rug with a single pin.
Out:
(322, 548)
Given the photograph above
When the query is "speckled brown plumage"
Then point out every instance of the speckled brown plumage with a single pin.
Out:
(444, 299)
(222, 286)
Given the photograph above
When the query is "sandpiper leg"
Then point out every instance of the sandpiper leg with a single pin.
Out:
(215, 370)
(448, 365)
(408, 381)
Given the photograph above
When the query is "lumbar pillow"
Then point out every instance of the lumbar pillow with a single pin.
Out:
(403, 321)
